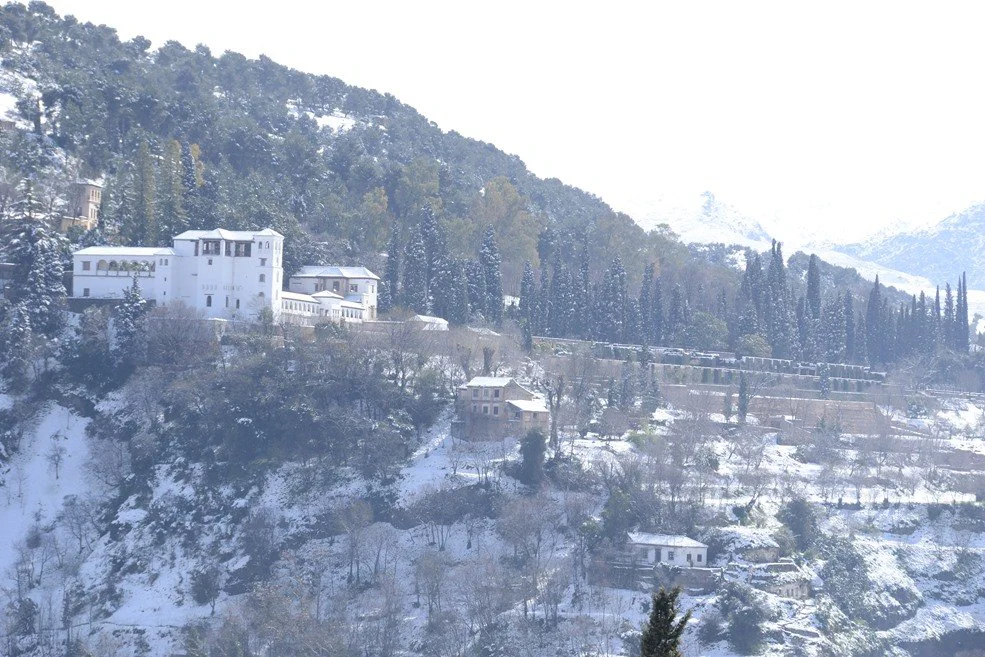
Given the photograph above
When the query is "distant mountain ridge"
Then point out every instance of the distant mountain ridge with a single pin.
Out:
(714, 222)
(955, 244)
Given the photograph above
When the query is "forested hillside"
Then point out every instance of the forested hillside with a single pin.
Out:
(186, 139)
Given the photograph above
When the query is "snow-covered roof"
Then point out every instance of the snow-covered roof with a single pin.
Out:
(533, 405)
(488, 382)
(664, 540)
(223, 234)
(326, 294)
(352, 304)
(317, 271)
(428, 319)
(125, 251)
(295, 296)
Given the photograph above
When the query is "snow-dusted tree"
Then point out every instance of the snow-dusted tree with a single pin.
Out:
(663, 630)
(415, 291)
(492, 270)
(390, 285)
(128, 323)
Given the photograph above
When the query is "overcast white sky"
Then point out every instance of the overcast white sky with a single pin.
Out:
(849, 117)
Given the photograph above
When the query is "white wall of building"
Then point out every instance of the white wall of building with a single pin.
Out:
(222, 274)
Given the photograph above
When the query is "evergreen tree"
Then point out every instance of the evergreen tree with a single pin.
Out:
(528, 296)
(492, 269)
(457, 294)
(476, 280)
(656, 315)
(128, 324)
(173, 218)
(663, 631)
(582, 323)
(533, 447)
(390, 285)
(813, 288)
(145, 225)
(948, 332)
(742, 408)
(44, 296)
(415, 285)
(849, 317)
(875, 337)
(645, 306)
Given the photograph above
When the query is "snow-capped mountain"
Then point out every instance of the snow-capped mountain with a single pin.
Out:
(939, 253)
(711, 222)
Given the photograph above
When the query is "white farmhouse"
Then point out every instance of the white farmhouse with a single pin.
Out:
(656, 549)
(223, 274)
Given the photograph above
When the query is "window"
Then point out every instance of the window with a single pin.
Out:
(335, 286)
(485, 409)
(85, 291)
(495, 409)
(699, 558)
(496, 393)
(688, 557)
(263, 278)
(670, 555)
(243, 249)
(353, 287)
(261, 295)
(211, 247)
(475, 393)
(263, 262)
(85, 265)
(485, 393)
(208, 300)
(518, 415)
(196, 248)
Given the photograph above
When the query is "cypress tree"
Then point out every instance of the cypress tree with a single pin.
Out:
(476, 280)
(145, 230)
(645, 306)
(492, 269)
(742, 408)
(813, 288)
(415, 285)
(947, 329)
(849, 315)
(663, 631)
(390, 285)
(528, 295)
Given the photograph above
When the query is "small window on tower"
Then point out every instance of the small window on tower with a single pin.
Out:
(263, 278)
(208, 300)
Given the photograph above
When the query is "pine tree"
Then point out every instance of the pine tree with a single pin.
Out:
(581, 325)
(533, 447)
(45, 292)
(663, 631)
(875, 337)
(492, 269)
(947, 329)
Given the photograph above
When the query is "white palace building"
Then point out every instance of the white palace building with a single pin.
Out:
(226, 274)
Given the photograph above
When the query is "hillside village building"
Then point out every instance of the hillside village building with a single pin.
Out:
(492, 407)
(223, 274)
(83, 210)
(653, 549)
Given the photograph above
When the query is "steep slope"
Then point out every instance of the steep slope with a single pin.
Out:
(955, 244)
